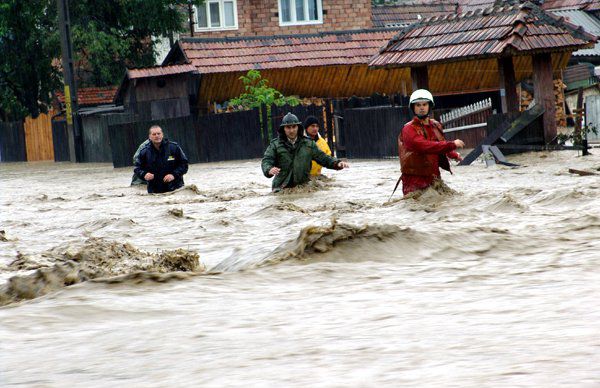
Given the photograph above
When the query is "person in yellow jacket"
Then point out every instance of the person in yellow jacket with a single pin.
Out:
(311, 127)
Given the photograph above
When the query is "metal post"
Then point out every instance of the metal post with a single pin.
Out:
(191, 17)
(73, 130)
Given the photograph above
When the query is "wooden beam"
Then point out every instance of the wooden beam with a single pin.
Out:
(543, 90)
(420, 78)
(508, 85)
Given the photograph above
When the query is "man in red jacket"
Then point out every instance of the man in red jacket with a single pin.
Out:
(422, 147)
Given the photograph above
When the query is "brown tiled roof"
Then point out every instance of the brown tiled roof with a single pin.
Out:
(279, 52)
(484, 34)
(158, 71)
(91, 96)
(408, 13)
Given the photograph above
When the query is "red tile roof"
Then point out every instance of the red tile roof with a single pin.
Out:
(279, 52)
(91, 96)
(408, 13)
(158, 71)
(484, 34)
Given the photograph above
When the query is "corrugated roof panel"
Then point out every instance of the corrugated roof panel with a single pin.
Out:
(580, 18)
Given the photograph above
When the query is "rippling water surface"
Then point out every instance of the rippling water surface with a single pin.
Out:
(225, 284)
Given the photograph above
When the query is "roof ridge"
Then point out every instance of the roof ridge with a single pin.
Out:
(286, 36)
(157, 66)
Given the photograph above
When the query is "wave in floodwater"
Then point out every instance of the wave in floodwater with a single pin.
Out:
(102, 260)
(98, 260)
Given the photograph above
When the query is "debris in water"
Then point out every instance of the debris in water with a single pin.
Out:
(176, 212)
(96, 259)
(179, 260)
(581, 172)
(319, 239)
(288, 206)
(194, 189)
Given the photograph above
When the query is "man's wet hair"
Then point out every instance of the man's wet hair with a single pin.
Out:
(152, 127)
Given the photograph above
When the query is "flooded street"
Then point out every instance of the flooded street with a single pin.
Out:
(223, 284)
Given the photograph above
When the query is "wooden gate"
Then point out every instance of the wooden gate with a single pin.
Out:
(592, 116)
(372, 132)
(38, 137)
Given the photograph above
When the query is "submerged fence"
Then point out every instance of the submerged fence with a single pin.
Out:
(468, 123)
(353, 127)
(12, 142)
(213, 138)
(373, 132)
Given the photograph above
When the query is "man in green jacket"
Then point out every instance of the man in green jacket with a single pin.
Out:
(289, 157)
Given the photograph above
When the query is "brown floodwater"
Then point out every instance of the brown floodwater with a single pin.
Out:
(494, 281)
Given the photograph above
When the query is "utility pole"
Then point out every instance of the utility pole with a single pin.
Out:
(73, 129)
(191, 17)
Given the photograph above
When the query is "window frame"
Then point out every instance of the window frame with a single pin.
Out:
(221, 16)
(295, 22)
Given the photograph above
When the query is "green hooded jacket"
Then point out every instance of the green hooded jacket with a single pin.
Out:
(295, 161)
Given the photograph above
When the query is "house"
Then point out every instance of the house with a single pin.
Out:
(158, 92)
(329, 63)
(494, 46)
(235, 18)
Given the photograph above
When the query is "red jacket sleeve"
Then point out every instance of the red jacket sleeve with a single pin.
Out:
(415, 142)
(453, 155)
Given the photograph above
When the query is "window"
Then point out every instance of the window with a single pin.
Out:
(294, 12)
(216, 15)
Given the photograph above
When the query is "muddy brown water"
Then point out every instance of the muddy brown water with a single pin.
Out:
(224, 284)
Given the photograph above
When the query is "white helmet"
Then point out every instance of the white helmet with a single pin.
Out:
(421, 95)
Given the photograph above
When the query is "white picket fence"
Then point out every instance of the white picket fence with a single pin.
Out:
(454, 116)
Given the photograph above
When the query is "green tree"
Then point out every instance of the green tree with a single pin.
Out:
(110, 35)
(259, 93)
(107, 36)
(28, 42)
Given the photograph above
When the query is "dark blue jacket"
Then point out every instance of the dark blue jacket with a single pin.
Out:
(169, 159)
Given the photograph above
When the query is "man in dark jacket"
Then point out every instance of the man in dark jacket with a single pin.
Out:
(161, 163)
(289, 157)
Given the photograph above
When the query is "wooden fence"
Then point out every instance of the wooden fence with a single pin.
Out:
(212, 138)
(476, 113)
(322, 112)
(373, 132)
(230, 136)
(60, 141)
(12, 142)
(468, 123)
(592, 116)
(126, 137)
